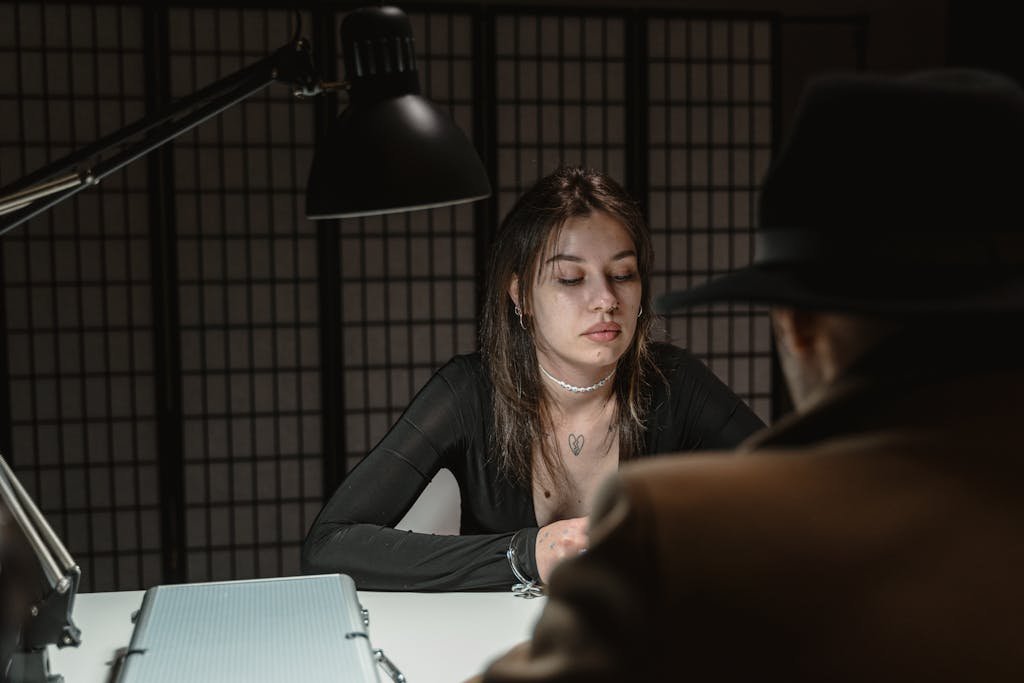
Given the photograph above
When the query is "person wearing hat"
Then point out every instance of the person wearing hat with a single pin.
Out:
(876, 534)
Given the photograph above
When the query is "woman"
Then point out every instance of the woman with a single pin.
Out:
(568, 385)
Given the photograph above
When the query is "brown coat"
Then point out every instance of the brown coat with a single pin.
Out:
(879, 537)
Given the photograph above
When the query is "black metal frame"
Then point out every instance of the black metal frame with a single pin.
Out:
(167, 350)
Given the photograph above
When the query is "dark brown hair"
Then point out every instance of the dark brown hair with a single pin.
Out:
(521, 416)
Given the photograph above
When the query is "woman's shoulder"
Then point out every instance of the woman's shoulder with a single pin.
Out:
(671, 359)
(460, 385)
(679, 368)
(464, 371)
(465, 363)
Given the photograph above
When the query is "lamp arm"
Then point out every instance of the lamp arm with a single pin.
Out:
(31, 195)
(54, 558)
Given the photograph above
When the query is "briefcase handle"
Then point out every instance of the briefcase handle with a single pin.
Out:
(389, 667)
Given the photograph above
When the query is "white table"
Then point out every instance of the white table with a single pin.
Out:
(429, 636)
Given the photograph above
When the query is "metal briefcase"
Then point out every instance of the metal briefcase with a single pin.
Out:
(303, 628)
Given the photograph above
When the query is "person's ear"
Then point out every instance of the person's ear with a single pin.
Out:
(795, 330)
(513, 290)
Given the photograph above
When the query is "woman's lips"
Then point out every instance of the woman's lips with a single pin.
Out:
(603, 332)
(604, 336)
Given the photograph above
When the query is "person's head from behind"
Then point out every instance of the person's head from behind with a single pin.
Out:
(891, 209)
(568, 290)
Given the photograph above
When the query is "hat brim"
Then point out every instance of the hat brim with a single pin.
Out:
(865, 294)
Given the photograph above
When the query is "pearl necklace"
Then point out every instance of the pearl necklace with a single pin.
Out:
(572, 388)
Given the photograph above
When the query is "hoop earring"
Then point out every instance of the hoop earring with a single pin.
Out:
(519, 312)
(641, 312)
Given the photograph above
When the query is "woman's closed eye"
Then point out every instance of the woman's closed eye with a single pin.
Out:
(620, 277)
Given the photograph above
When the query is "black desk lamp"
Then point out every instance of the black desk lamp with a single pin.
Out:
(38, 577)
(391, 150)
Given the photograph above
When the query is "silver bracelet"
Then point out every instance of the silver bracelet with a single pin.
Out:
(525, 588)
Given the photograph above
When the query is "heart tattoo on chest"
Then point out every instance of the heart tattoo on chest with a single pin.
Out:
(575, 443)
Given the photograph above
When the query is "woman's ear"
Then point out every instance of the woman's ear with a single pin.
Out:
(513, 290)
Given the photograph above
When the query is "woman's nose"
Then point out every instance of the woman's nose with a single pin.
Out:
(604, 299)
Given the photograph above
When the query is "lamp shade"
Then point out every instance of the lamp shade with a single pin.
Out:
(391, 149)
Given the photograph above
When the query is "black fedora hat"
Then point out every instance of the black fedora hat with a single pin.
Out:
(891, 195)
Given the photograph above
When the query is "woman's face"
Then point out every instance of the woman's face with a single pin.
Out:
(585, 299)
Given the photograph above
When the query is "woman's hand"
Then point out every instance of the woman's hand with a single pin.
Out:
(557, 541)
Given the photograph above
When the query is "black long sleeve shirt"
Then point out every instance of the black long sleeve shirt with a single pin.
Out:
(448, 425)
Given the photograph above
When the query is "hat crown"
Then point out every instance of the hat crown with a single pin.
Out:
(936, 152)
(892, 195)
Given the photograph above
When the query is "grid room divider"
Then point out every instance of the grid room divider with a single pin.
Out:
(189, 366)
